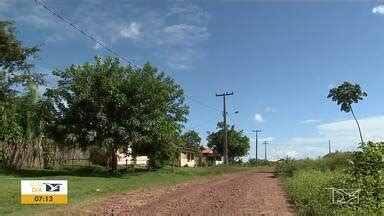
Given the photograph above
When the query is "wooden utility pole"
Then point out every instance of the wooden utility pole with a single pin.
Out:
(256, 131)
(265, 150)
(225, 125)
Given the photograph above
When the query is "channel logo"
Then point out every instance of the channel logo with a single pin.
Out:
(52, 187)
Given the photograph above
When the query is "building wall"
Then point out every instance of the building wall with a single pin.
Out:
(122, 159)
(185, 159)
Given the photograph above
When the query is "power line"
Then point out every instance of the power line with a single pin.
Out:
(202, 123)
(113, 52)
(202, 104)
(85, 33)
(203, 2)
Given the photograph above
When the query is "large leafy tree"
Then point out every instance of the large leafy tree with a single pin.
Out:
(238, 143)
(14, 66)
(113, 106)
(17, 110)
(191, 139)
(345, 95)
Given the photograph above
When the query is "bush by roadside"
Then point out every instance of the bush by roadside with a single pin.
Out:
(311, 193)
(308, 182)
(330, 162)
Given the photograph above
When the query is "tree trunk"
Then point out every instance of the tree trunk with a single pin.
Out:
(358, 125)
(114, 159)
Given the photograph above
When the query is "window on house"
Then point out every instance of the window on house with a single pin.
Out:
(190, 156)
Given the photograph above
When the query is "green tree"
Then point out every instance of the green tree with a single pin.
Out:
(345, 95)
(16, 115)
(238, 143)
(14, 66)
(113, 106)
(191, 139)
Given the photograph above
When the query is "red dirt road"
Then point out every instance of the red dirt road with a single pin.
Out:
(244, 193)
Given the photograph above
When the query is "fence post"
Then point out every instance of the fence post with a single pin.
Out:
(126, 164)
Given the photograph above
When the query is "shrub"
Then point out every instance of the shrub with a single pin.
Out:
(338, 160)
(310, 191)
(333, 161)
(367, 173)
(287, 168)
(309, 181)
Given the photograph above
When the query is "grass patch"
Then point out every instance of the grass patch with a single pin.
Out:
(84, 182)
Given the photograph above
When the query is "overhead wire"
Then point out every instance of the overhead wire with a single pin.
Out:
(110, 50)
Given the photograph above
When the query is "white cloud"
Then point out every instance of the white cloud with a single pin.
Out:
(173, 34)
(344, 136)
(259, 117)
(346, 131)
(190, 14)
(132, 31)
(308, 121)
(185, 34)
(378, 9)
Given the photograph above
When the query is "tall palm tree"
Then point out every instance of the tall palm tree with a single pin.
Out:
(345, 95)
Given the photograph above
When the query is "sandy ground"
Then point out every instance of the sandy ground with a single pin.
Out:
(244, 193)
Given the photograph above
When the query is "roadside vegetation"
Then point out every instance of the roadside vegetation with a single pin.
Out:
(310, 182)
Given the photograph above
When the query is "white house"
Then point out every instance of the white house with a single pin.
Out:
(127, 160)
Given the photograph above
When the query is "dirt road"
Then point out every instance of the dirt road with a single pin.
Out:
(245, 193)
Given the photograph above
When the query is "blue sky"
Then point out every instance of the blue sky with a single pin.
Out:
(279, 59)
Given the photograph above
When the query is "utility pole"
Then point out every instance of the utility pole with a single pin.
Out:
(329, 146)
(265, 150)
(256, 131)
(225, 125)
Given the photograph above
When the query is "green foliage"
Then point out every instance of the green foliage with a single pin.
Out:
(367, 174)
(310, 191)
(346, 94)
(238, 143)
(338, 160)
(19, 120)
(10, 129)
(330, 162)
(191, 139)
(307, 181)
(111, 106)
(14, 66)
